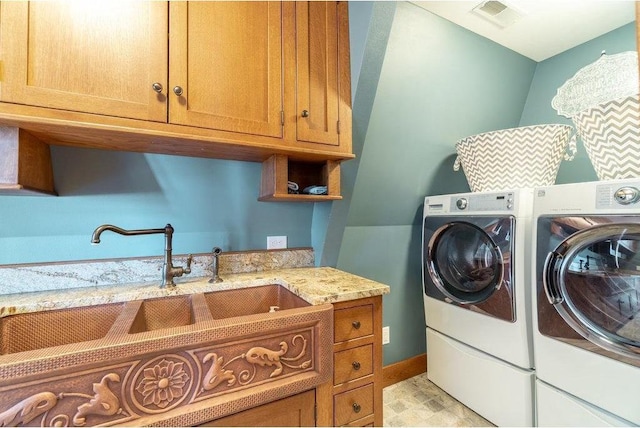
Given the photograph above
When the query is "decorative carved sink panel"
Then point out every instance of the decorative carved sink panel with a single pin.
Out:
(166, 361)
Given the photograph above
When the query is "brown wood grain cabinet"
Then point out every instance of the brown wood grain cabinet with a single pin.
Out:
(317, 98)
(295, 411)
(323, 73)
(354, 398)
(85, 56)
(229, 80)
(226, 59)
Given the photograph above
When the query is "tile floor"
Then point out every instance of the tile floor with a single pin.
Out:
(419, 403)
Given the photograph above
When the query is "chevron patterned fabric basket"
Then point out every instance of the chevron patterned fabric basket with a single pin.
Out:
(528, 156)
(611, 134)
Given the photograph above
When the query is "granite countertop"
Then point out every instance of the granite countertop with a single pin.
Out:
(316, 285)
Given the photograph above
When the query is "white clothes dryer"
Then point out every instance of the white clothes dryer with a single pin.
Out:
(475, 271)
(587, 301)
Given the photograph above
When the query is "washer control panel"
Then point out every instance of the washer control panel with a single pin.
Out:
(618, 195)
(483, 202)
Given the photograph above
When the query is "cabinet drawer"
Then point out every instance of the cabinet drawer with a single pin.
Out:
(352, 405)
(352, 364)
(351, 323)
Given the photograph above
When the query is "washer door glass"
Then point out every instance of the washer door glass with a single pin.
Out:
(464, 263)
(593, 280)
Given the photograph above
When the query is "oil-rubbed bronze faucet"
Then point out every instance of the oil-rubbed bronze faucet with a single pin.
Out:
(169, 270)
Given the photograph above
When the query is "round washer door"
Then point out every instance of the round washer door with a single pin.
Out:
(464, 263)
(593, 280)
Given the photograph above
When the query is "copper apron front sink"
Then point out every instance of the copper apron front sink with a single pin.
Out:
(252, 301)
(37, 330)
(178, 360)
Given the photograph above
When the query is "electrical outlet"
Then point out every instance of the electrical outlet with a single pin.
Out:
(276, 242)
(385, 335)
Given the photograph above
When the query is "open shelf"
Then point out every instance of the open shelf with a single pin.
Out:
(278, 170)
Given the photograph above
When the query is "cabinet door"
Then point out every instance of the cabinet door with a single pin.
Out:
(86, 56)
(295, 411)
(317, 54)
(227, 58)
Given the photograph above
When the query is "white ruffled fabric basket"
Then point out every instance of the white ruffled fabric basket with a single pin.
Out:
(602, 100)
(513, 158)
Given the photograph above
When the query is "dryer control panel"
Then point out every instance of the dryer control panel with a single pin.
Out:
(483, 202)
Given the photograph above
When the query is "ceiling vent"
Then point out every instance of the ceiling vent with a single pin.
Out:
(497, 12)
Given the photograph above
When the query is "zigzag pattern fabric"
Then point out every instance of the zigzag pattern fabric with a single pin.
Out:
(528, 156)
(611, 134)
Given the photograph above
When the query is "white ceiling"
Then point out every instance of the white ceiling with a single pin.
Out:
(547, 28)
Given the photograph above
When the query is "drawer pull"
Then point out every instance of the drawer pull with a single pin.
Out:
(356, 324)
(356, 365)
(356, 407)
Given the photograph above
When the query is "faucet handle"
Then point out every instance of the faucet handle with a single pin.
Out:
(187, 270)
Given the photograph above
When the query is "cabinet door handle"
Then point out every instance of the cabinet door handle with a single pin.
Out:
(356, 407)
(177, 90)
(356, 324)
(157, 87)
(305, 113)
(356, 365)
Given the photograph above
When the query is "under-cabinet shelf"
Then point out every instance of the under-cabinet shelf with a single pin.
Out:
(278, 170)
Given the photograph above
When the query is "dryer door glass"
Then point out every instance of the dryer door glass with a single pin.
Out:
(593, 280)
(464, 262)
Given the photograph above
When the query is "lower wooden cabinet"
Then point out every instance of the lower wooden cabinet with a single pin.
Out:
(353, 405)
(354, 398)
(295, 411)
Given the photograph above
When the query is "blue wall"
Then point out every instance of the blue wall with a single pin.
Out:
(209, 203)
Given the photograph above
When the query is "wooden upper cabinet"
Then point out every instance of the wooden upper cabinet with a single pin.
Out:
(323, 76)
(240, 80)
(227, 58)
(94, 57)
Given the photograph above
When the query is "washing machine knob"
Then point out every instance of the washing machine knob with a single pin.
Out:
(627, 195)
(462, 203)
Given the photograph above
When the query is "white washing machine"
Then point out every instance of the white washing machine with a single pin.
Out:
(587, 303)
(476, 276)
